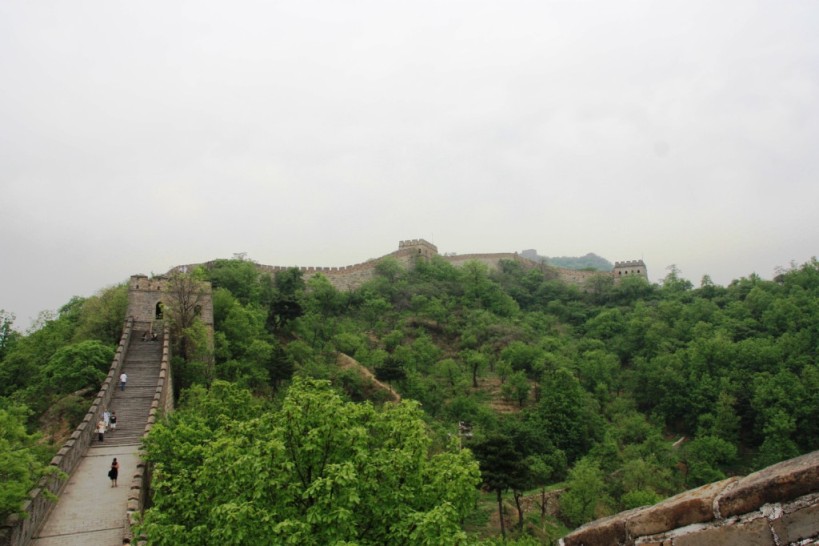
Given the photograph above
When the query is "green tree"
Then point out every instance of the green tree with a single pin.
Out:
(21, 460)
(517, 388)
(77, 366)
(502, 468)
(187, 293)
(705, 457)
(317, 471)
(7, 333)
(285, 305)
(585, 498)
(102, 316)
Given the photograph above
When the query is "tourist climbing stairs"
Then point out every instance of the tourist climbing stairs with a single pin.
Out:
(132, 405)
(91, 509)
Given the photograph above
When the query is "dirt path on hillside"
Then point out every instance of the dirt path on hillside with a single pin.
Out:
(348, 362)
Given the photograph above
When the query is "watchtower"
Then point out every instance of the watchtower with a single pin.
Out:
(149, 298)
(629, 269)
(418, 247)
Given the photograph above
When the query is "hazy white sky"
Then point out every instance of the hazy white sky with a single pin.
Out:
(135, 136)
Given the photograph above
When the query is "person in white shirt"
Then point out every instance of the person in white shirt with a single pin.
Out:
(123, 379)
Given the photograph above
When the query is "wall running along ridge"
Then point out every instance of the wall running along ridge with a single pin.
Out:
(351, 277)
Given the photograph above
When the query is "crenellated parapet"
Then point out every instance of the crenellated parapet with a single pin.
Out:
(629, 268)
(423, 244)
(409, 251)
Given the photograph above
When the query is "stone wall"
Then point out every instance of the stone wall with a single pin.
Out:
(162, 404)
(776, 506)
(351, 277)
(629, 269)
(492, 261)
(18, 531)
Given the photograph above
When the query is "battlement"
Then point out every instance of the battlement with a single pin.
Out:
(425, 247)
(629, 268)
(350, 277)
(630, 263)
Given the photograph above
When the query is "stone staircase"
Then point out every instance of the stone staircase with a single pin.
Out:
(132, 405)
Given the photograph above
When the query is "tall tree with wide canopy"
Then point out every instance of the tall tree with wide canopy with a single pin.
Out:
(318, 471)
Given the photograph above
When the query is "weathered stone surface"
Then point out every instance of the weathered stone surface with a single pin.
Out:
(799, 520)
(781, 482)
(743, 533)
(610, 531)
(694, 506)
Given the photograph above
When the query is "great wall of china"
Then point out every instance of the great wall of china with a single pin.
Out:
(776, 506)
(353, 276)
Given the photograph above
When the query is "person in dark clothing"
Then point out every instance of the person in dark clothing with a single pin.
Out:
(113, 473)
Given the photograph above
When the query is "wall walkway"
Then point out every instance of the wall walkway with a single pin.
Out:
(88, 509)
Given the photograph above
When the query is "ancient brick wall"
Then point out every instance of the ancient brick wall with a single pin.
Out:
(629, 269)
(18, 531)
(350, 277)
(777, 506)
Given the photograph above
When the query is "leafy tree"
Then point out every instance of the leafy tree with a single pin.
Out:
(187, 293)
(475, 361)
(705, 456)
(7, 334)
(77, 366)
(517, 388)
(103, 315)
(285, 305)
(502, 468)
(240, 277)
(391, 370)
(21, 460)
(567, 415)
(585, 497)
(317, 471)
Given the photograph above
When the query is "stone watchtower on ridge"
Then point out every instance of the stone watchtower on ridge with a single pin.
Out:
(418, 247)
(150, 298)
(629, 269)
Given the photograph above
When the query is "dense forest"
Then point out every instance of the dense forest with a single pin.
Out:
(513, 385)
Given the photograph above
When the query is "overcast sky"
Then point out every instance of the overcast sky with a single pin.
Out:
(136, 136)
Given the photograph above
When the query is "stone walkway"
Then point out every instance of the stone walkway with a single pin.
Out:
(90, 511)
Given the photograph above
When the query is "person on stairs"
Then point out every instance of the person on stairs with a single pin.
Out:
(100, 430)
(123, 379)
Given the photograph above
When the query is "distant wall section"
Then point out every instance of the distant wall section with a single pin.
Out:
(351, 277)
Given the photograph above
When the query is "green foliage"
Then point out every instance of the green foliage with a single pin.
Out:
(585, 498)
(74, 367)
(103, 315)
(607, 375)
(317, 471)
(705, 456)
(240, 277)
(21, 464)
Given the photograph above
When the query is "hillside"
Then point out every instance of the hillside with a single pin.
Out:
(623, 394)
